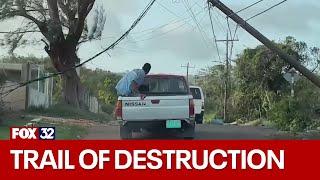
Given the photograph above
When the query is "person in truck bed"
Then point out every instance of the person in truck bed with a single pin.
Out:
(129, 84)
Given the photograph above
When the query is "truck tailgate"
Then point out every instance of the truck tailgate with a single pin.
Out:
(155, 108)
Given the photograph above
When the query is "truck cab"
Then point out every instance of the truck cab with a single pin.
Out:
(168, 106)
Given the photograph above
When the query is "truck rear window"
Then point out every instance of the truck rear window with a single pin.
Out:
(164, 86)
(196, 93)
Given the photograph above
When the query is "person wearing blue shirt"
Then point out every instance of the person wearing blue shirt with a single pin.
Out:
(129, 84)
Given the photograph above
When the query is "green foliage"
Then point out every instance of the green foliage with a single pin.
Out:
(308, 94)
(92, 79)
(108, 92)
(212, 82)
(57, 89)
(290, 115)
(260, 82)
(209, 117)
(259, 93)
(107, 108)
(102, 85)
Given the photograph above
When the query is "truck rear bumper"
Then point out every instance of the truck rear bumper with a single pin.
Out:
(157, 125)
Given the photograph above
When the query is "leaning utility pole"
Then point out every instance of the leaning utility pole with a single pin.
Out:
(227, 78)
(188, 67)
(264, 40)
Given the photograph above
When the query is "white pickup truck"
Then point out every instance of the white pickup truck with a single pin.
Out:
(168, 106)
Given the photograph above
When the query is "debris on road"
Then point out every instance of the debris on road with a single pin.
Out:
(217, 122)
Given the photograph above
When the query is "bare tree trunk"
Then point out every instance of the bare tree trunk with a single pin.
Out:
(72, 89)
(64, 57)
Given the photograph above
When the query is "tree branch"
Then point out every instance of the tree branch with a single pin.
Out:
(29, 10)
(66, 9)
(41, 11)
(87, 40)
(84, 7)
(20, 32)
(53, 11)
(315, 68)
(23, 12)
(46, 47)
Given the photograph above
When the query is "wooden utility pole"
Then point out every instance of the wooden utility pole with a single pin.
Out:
(188, 67)
(227, 78)
(264, 40)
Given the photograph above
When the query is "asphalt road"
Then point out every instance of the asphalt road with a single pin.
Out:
(203, 131)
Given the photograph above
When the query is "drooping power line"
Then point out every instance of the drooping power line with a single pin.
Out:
(201, 31)
(251, 5)
(178, 24)
(213, 32)
(266, 10)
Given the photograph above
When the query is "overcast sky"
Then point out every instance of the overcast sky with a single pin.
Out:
(169, 37)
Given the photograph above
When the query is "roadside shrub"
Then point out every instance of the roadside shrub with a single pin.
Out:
(208, 117)
(290, 115)
(107, 108)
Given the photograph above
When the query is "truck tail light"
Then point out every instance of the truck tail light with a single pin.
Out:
(202, 106)
(191, 108)
(118, 110)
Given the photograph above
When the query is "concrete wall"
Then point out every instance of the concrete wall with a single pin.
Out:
(40, 93)
(14, 74)
(38, 99)
(92, 103)
(37, 94)
(16, 100)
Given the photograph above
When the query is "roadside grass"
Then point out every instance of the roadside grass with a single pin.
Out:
(65, 111)
(63, 131)
(67, 132)
(7, 122)
(208, 117)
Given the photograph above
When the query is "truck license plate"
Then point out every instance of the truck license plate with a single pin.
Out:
(173, 124)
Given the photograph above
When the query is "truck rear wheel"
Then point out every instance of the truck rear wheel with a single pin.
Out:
(125, 132)
(189, 133)
(199, 118)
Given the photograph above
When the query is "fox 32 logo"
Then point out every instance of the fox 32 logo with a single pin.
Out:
(32, 133)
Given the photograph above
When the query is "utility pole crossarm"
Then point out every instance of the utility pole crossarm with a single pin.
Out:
(229, 40)
(264, 40)
(188, 67)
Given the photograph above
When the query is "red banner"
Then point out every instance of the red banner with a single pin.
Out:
(33, 159)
